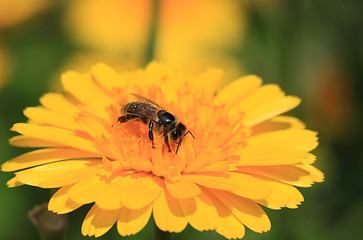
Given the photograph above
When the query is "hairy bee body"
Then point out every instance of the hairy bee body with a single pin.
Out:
(158, 120)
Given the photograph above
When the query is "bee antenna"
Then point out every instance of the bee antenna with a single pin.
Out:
(189, 133)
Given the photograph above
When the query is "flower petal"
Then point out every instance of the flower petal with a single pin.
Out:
(247, 211)
(277, 123)
(316, 174)
(132, 221)
(44, 116)
(266, 93)
(141, 193)
(58, 174)
(87, 190)
(107, 77)
(91, 95)
(209, 80)
(240, 184)
(42, 156)
(98, 221)
(298, 138)
(110, 197)
(14, 182)
(294, 175)
(271, 156)
(228, 226)
(58, 103)
(168, 214)
(60, 203)
(238, 89)
(52, 134)
(26, 141)
(182, 188)
(200, 212)
(270, 109)
(283, 195)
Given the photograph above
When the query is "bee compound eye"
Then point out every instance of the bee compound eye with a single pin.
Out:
(175, 135)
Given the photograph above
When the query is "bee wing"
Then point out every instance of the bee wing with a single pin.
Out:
(144, 99)
(149, 109)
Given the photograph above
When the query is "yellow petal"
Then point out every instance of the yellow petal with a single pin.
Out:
(58, 103)
(200, 212)
(168, 214)
(91, 124)
(52, 134)
(297, 138)
(42, 156)
(204, 159)
(87, 190)
(269, 109)
(293, 175)
(238, 89)
(110, 197)
(14, 182)
(26, 141)
(213, 180)
(209, 80)
(132, 221)
(58, 174)
(91, 95)
(44, 116)
(277, 123)
(107, 77)
(246, 211)
(240, 184)
(141, 193)
(60, 203)
(98, 221)
(283, 195)
(316, 174)
(266, 93)
(228, 226)
(271, 156)
(182, 188)
(249, 186)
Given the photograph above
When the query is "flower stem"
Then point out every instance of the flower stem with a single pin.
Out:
(150, 51)
(50, 225)
(161, 235)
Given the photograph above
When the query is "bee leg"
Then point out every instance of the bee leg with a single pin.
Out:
(151, 135)
(122, 119)
(177, 148)
(166, 139)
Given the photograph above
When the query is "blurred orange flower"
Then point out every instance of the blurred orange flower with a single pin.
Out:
(189, 34)
(15, 11)
(244, 154)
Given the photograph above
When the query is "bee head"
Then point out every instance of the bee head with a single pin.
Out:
(178, 132)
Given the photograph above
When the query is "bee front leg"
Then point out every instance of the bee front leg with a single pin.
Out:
(166, 139)
(151, 135)
(122, 119)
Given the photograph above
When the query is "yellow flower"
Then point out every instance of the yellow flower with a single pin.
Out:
(15, 11)
(243, 155)
(189, 34)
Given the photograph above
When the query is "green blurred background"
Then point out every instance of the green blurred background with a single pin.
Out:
(311, 48)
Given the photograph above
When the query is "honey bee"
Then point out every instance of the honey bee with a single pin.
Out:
(157, 119)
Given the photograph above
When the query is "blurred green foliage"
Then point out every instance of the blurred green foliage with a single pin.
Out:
(302, 45)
